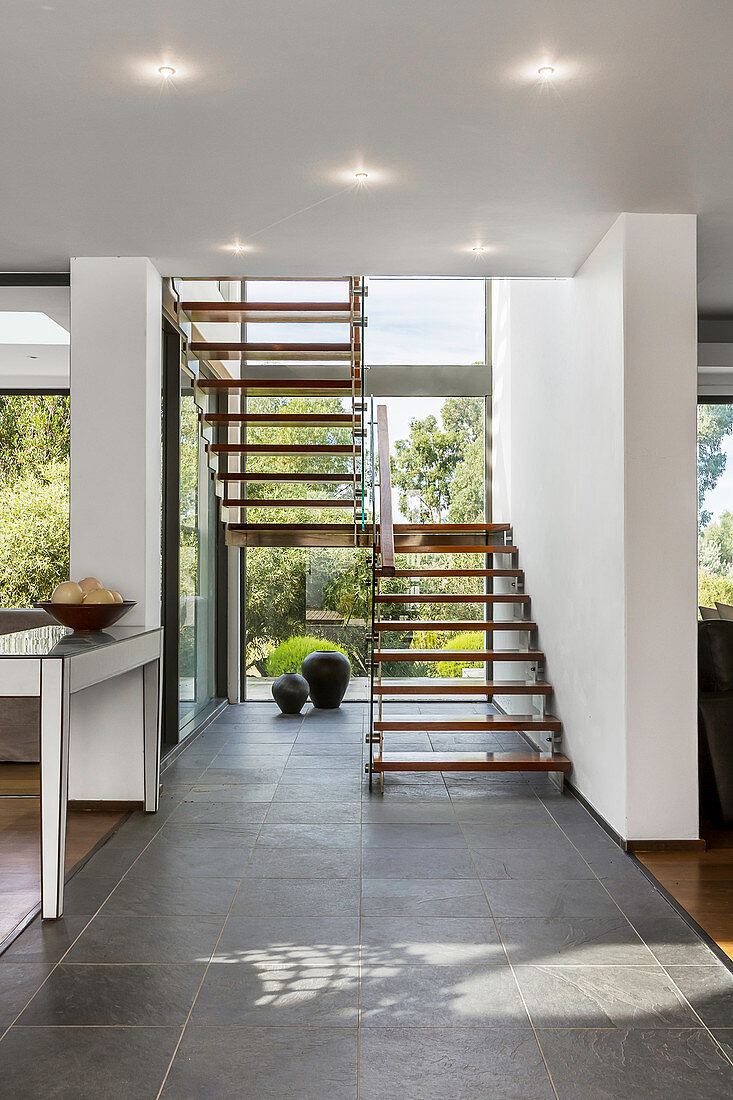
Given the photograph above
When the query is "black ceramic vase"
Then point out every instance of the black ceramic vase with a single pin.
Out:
(290, 691)
(328, 673)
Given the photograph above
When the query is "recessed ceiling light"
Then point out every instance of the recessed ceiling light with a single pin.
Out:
(545, 71)
(361, 176)
(479, 248)
(237, 248)
(167, 71)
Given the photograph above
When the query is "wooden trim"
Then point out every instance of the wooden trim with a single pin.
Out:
(497, 655)
(455, 573)
(386, 537)
(449, 597)
(664, 845)
(503, 722)
(253, 502)
(251, 475)
(106, 805)
(449, 528)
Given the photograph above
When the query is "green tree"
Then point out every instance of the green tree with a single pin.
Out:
(422, 469)
(714, 423)
(34, 431)
(34, 535)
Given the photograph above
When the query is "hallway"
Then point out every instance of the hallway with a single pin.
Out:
(277, 931)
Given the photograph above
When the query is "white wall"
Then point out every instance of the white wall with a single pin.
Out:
(594, 403)
(116, 496)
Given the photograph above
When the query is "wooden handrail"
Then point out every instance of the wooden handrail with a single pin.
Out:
(386, 527)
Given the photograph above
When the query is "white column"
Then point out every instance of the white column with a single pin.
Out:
(116, 494)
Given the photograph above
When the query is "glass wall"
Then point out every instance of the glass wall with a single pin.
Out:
(197, 573)
(715, 503)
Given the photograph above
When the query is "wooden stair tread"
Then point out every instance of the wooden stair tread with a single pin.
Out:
(217, 310)
(447, 528)
(472, 761)
(452, 548)
(496, 655)
(453, 573)
(483, 625)
(250, 475)
(289, 387)
(327, 527)
(253, 502)
(314, 420)
(284, 448)
(448, 597)
(502, 722)
(466, 687)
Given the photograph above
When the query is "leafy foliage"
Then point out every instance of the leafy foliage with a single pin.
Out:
(290, 654)
(439, 471)
(34, 497)
(464, 640)
(714, 588)
(34, 535)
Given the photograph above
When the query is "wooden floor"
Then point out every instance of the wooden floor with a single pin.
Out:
(20, 882)
(702, 882)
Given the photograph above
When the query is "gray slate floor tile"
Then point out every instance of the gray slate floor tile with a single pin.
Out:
(260, 897)
(310, 837)
(549, 898)
(441, 996)
(451, 1064)
(623, 1064)
(82, 995)
(290, 1063)
(124, 938)
(85, 1063)
(441, 863)
(291, 995)
(411, 941)
(18, 982)
(423, 898)
(417, 835)
(582, 940)
(709, 989)
(603, 996)
(274, 941)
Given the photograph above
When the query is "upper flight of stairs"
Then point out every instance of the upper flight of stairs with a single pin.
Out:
(290, 465)
(493, 559)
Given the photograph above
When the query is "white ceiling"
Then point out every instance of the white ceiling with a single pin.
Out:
(276, 103)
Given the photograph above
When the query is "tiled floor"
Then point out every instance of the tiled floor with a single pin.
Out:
(275, 931)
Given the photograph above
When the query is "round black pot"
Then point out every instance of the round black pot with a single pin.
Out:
(328, 673)
(290, 691)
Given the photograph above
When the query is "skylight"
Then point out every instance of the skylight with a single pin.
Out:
(30, 328)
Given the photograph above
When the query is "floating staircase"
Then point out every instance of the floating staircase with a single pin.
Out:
(283, 421)
(415, 555)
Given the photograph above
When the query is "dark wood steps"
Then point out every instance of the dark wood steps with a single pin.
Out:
(238, 311)
(284, 387)
(466, 687)
(288, 420)
(449, 597)
(451, 573)
(472, 762)
(483, 724)
(253, 502)
(429, 655)
(484, 625)
(452, 548)
(447, 528)
(284, 449)
(252, 475)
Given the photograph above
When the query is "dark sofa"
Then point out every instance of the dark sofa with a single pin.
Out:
(715, 719)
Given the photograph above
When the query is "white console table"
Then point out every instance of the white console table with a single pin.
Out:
(52, 663)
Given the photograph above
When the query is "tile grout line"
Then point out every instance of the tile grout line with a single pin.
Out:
(509, 961)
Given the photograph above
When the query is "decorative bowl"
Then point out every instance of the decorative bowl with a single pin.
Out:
(86, 618)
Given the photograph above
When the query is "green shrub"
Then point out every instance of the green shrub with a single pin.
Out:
(467, 640)
(713, 588)
(290, 654)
